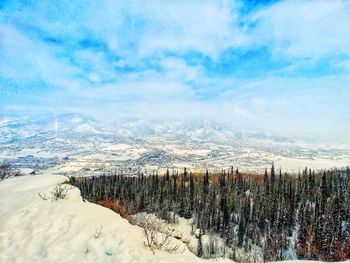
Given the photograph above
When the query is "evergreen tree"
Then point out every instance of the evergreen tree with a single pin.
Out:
(200, 245)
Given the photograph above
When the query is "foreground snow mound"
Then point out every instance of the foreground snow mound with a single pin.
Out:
(67, 230)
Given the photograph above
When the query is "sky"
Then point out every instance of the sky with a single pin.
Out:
(280, 67)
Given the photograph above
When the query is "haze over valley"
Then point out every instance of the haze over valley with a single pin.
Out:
(79, 145)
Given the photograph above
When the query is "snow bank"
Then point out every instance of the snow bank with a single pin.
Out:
(37, 230)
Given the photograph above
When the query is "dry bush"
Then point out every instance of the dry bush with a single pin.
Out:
(116, 206)
(43, 196)
(344, 251)
(155, 233)
(59, 192)
(254, 256)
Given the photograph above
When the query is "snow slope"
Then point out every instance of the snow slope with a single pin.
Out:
(37, 230)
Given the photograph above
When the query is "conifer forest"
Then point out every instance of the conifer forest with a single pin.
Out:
(276, 215)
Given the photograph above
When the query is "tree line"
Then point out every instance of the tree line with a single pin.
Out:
(273, 216)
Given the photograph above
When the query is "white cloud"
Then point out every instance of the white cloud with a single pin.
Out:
(178, 69)
(142, 28)
(202, 26)
(304, 28)
(138, 67)
(27, 59)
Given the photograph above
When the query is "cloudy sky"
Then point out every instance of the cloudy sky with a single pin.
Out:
(281, 67)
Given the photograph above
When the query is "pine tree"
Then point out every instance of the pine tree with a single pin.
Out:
(273, 173)
(244, 211)
(200, 245)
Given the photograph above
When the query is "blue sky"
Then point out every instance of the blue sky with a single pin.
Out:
(281, 67)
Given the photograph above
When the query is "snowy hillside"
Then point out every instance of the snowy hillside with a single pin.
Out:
(38, 230)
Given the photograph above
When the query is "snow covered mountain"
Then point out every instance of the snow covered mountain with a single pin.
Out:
(12, 128)
(194, 131)
(47, 126)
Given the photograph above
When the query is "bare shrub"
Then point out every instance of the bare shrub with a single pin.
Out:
(43, 196)
(116, 206)
(59, 192)
(155, 233)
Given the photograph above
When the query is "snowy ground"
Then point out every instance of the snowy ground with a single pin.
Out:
(37, 230)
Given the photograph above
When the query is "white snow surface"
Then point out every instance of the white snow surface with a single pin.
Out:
(37, 230)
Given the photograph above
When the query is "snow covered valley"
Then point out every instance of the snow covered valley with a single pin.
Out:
(79, 145)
